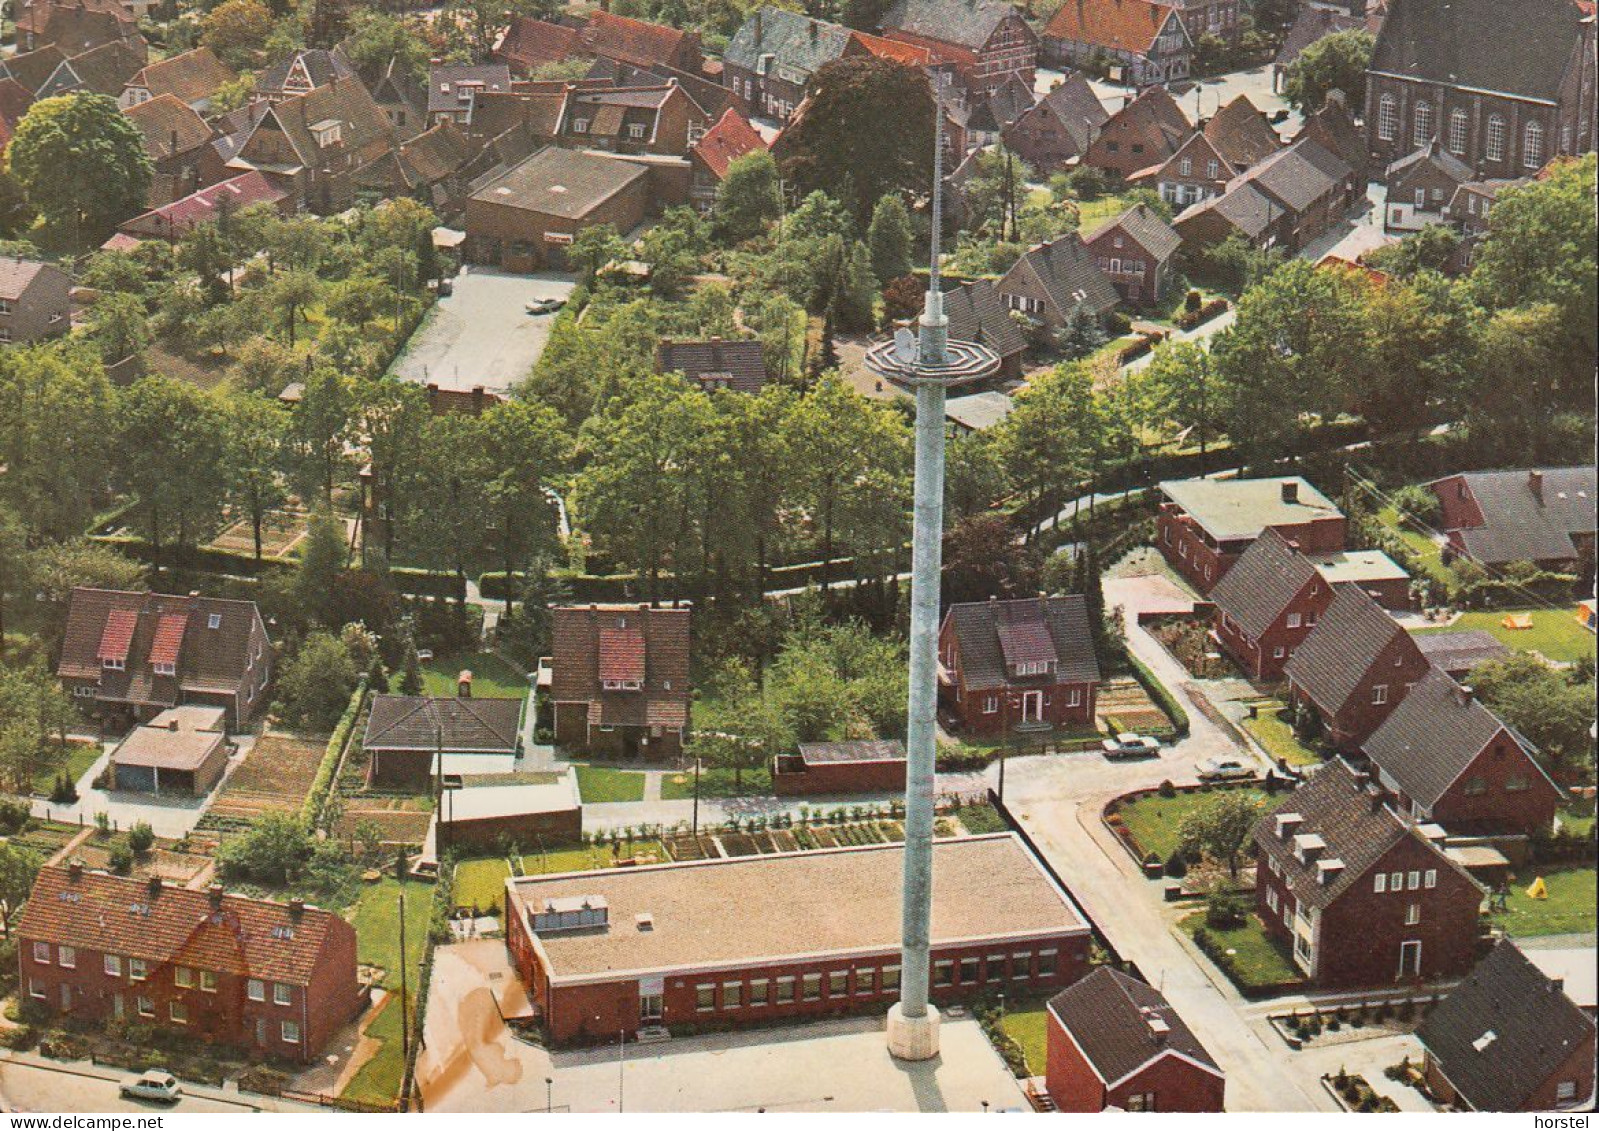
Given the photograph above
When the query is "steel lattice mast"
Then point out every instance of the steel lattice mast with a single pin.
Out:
(929, 364)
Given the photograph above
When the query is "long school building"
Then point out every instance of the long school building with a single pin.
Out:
(801, 934)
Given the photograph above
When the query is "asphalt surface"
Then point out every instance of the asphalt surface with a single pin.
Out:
(32, 1084)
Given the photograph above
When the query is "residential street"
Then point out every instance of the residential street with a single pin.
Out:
(33, 1084)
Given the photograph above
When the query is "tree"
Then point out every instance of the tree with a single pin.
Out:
(322, 560)
(996, 191)
(56, 410)
(19, 868)
(291, 292)
(1433, 248)
(1223, 828)
(1177, 382)
(823, 149)
(256, 429)
(119, 326)
(33, 710)
(82, 164)
(889, 238)
(527, 446)
(318, 427)
(57, 568)
(1334, 62)
(748, 199)
(169, 452)
(16, 564)
(592, 248)
(411, 677)
(140, 837)
(983, 559)
(274, 850)
(314, 686)
(237, 30)
(1552, 709)
(1048, 439)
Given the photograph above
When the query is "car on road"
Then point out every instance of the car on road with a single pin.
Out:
(1224, 769)
(545, 305)
(1128, 745)
(152, 1084)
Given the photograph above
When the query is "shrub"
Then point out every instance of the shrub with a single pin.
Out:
(141, 837)
(1224, 910)
(62, 791)
(1176, 866)
(120, 857)
(19, 1039)
(1167, 789)
(1192, 300)
(14, 815)
(1118, 323)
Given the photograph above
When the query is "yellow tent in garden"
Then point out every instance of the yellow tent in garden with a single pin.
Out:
(1538, 890)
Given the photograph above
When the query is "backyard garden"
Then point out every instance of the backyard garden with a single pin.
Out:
(1271, 724)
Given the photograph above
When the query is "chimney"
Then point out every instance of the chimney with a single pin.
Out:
(296, 907)
(463, 685)
(1288, 824)
(477, 400)
(1464, 694)
(1535, 485)
(1557, 985)
(1159, 1028)
(75, 869)
(1290, 490)
(215, 892)
(644, 606)
(155, 885)
(758, 12)
(174, 142)
(172, 724)
(815, 30)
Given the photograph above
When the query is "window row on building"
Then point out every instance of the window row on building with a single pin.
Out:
(1456, 135)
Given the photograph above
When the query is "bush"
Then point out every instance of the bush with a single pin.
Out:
(1176, 866)
(14, 816)
(141, 837)
(19, 1039)
(1118, 323)
(1167, 789)
(1192, 300)
(1163, 698)
(330, 756)
(62, 791)
(1225, 910)
(120, 857)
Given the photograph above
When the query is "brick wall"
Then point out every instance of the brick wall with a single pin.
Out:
(841, 777)
(1482, 798)
(1171, 1084)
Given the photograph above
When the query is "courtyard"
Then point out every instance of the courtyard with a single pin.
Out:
(472, 1062)
(482, 334)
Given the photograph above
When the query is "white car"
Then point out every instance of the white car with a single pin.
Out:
(1130, 746)
(545, 305)
(153, 1084)
(1224, 769)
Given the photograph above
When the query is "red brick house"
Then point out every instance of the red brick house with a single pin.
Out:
(1373, 572)
(745, 940)
(1267, 604)
(1054, 281)
(171, 222)
(534, 810)
(713, 154)
(620, 684)
(1019, 665)
(1508, 1038)
(1448, 759)
(35, 301)
(1543, 515)
(1421, 185)
(986, 41)
(178, 143)
(1354, 668)
(1205, 525)
(1059, 127)
(866, 766)
(191, 77)
(640, 42)
(524, 218)
(738, 365)
(1145, 132)
(660, 120)
(407, 734)
(1134, 251)
(1361, 898)
(130, 656)
(1115, 1042)
(274, 979)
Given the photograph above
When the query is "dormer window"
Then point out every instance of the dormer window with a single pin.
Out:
(635, 131)
(1039, 667)
(165, 669)
(328, 132)
(214, 620)
(580, 125)
(113, 664)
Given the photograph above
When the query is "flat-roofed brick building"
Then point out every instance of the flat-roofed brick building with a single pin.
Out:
(1205, 525)
(802, 934)
(865, 766)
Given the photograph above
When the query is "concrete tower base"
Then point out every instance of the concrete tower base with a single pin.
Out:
(912, 1038)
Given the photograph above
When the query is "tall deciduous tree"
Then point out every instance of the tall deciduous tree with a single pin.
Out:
(318, 429)
(1333, 62)
(237, 30)
(170, 453)
(748, 198)
(82, 164)
(1223, 828)
(526, 446)
(256, 428)
(56, 410)
(889, 238)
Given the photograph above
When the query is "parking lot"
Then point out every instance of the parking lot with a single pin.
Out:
(471, 1062)
(482, 334)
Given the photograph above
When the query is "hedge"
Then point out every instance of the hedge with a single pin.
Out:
(311, 808)
(1188, 319)
(1163, 698)
(197, 558)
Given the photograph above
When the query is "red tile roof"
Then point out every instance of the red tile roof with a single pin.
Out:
(117, 634)
(173, 220)
(169, 125)
(634, 41)
(119, 915)
(906, 53)
(731, 138)
(530, 43)
(168, 641)
(1123, 25)
(189, 77)
(622, 654)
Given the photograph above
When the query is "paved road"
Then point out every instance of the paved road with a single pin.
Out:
(480, 334)
(33, 1084)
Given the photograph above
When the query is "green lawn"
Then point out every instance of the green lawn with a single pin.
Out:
(1274, 732)
(79, 757)
(1027, 1024)
(1555, 632)
(1428, 553)
(480, 882)
(717, 782)
(601, 783)
(492, 677)
(377, 928)
(1092, 213)
(1154, 820)
(1577, 816)
(1246, 954)
(1568, 910)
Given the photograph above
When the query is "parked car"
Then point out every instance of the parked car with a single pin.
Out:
(545, 305)
(153, 1084)
(1224, 769)
(1130, 745)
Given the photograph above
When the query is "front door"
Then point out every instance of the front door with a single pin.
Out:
(1032, 706)
(1410, 959)
(649, 1008)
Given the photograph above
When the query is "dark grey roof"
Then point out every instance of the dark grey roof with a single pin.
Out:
(1300, 175)
(446, 80)
(976, 314)
(456, 726)
(1456, 653)
(322, 67)
(977, 633)
(796, 42)
(1070, 275)
(1433, 155)
(1148, 230)
(1354, 826)
(584, 180)
(1242, 205)
(1427, 742)
(1516, 527)
(1009, 101)
(1078, 107)
(1241, 134)
(1262, 582)
(1504, 1031)
(969, 23)
(864, 750)
(739, 363)
(1463, 43)
(1108, 1015)
(1350, 637)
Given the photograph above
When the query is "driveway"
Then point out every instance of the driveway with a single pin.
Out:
(481, 334)
(470, 1061)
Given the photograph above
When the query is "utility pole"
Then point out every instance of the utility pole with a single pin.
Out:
(929, 363)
